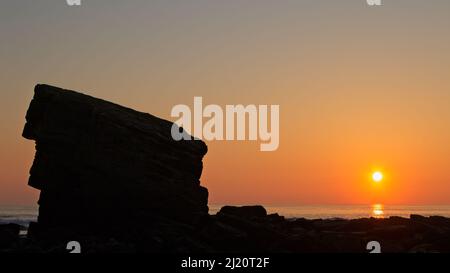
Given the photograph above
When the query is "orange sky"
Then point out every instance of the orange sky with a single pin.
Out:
(359, 88)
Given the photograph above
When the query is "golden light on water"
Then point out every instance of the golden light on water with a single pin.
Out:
(377, 211)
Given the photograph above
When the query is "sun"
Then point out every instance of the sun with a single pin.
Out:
(377, 176)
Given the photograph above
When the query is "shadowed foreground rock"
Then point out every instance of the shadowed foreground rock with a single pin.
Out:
(247, 230)
(245, 211)
(103, 167)
(9, 234)
(241, 231)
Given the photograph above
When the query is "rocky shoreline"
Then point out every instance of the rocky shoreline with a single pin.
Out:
(114, 180)
(250, 230)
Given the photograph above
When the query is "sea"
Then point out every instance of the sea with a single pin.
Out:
(350, 211)
(23, 215)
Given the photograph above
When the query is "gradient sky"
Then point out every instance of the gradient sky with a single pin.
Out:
(359, 88)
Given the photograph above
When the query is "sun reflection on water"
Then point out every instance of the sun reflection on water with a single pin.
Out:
(377, 211)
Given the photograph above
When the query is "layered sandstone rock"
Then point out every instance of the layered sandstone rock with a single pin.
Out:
(99, 164)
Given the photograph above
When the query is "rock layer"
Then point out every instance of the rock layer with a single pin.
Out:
(99, 164)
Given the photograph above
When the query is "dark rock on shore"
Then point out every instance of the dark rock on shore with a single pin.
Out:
(245, 211)
(103, 168)
(9, 234)
(238, 233)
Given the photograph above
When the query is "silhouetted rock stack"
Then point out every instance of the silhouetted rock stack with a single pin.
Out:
(101, 166)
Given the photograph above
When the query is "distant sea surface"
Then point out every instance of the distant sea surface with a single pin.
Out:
(18, 215)
(24, 215)
(351, 211)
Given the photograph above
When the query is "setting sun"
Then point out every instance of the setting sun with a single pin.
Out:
(377, 176)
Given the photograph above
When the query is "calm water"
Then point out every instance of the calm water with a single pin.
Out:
(24, 215)
(18, 215)
(351, 211)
